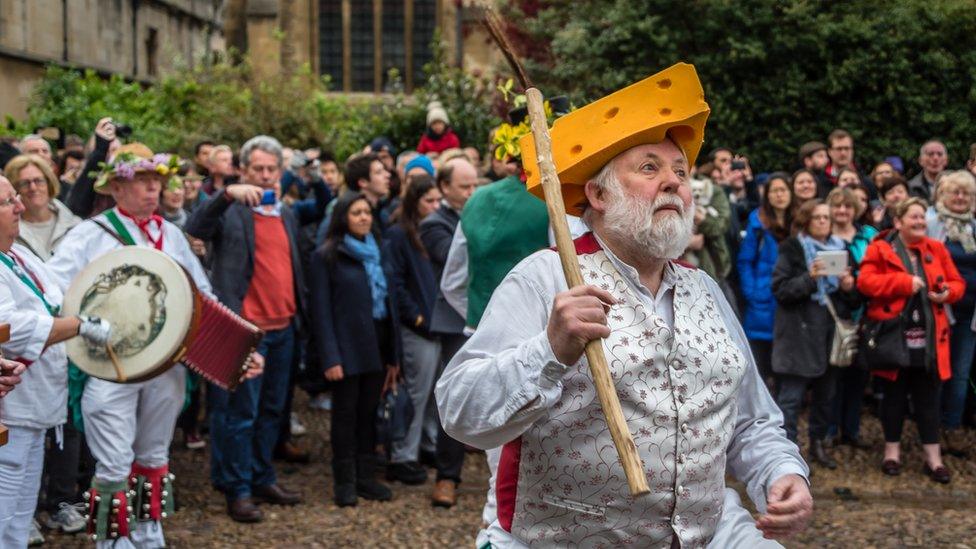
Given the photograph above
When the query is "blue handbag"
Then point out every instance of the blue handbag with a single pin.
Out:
(393, 416)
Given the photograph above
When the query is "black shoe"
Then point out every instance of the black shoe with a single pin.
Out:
(344, 474)
(409, 472)
(940, 474)
(891, 467)
(820, 455)
(367, 487)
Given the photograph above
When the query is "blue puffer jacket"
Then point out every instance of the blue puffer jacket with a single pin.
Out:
(757, 257)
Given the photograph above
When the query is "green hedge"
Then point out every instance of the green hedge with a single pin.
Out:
(777, 73)
(224, 103)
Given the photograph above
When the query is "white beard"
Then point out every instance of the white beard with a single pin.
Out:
(630, 219)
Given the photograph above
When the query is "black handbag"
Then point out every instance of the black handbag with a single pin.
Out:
(393, 415)
(882, 344)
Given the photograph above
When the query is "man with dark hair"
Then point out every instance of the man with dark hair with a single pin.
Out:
(257, 273)
(366, 173)
(841, 152)
(721, 157)
(933, 158)
(201, 156)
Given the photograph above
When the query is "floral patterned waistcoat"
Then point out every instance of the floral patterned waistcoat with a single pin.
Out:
(560, 483)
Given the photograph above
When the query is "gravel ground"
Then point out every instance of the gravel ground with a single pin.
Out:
(904, 511)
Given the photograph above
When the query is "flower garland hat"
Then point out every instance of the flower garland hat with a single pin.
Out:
(133, 158)
(670, 103)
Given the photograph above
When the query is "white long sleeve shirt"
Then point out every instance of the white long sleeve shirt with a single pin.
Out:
(506, 379)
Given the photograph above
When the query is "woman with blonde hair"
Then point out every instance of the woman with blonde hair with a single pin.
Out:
(45, 219)
(951, 222)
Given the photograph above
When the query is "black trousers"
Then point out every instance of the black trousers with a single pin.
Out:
(789, 396)
(923, 386)
(762, 352)
(450, 453)
(67, 470)
(354, 402)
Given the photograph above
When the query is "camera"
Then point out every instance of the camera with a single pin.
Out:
(738, 165)
(122, 131)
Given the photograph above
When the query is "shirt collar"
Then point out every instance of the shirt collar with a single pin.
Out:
(632, 277)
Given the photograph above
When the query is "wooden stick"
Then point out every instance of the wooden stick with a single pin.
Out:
(605, 390)
(119, 373)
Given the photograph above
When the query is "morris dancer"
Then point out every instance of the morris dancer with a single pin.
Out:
(679, 359)
(29, 301)
(129, 426)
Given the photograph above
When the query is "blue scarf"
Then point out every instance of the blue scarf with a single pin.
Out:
(826, 285)
(368, 253)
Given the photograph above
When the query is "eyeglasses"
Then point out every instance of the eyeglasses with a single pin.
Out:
(13, 200)
(820, 217)
(26, 183)
(842, 148)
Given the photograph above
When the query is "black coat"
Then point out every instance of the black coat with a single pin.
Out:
(342, 316)
(437, 233)
(802, 328)
(229, 226)
(410, 276)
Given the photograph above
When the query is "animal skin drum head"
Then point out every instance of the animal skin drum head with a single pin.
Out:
(148, 299)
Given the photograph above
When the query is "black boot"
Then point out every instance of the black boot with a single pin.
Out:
(366, 484)
(820, 455)
(344, 473)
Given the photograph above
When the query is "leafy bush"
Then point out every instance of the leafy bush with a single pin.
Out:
(776, 73)
(224, 103)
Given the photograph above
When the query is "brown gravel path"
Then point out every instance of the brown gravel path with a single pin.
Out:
(905, 511)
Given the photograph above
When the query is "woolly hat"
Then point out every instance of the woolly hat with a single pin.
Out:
(420, 161)
(435, 111)
(670, 103)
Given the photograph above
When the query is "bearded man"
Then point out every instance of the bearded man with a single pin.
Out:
(679, 359)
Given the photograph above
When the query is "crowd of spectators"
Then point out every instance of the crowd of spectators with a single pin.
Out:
(350, 275)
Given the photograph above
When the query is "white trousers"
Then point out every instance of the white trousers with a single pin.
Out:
(21, 462)
(132, 422)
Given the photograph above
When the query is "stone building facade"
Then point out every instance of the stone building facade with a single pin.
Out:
(357, 42)
(139, 39)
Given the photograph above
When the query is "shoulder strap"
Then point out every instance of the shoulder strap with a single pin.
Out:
(111, 232)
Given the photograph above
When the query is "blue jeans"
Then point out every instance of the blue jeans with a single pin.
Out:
(962, 342)
(244, 424)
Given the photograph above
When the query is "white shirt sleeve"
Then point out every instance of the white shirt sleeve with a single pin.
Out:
(29, 329)
(506, 376)
(454, 280)
(72, 254)
(759, 452)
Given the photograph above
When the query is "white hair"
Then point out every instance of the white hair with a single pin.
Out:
(630, 219)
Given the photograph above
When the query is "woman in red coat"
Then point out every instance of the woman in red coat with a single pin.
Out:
(904, 268)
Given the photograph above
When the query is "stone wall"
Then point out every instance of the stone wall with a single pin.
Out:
(139, 39)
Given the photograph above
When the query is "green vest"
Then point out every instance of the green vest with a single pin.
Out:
(503, 224)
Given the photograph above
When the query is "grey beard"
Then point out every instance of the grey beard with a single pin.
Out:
(631, 221)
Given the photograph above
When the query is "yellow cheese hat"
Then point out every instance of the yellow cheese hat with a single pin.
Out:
(669, 103)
